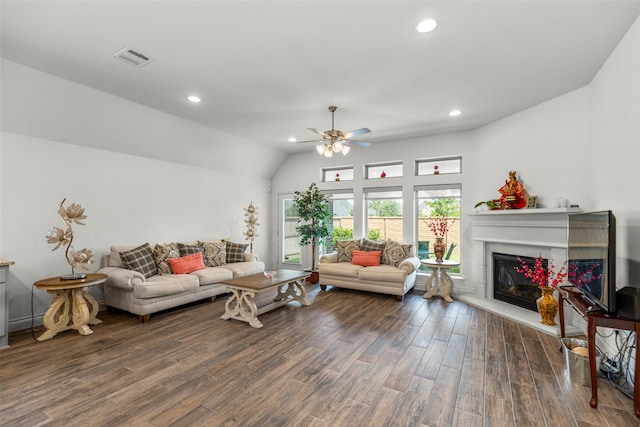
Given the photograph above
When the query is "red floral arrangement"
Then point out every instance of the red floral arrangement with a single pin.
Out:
(541, 276)
(439, 226)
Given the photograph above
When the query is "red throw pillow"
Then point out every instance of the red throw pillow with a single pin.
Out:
(365, 259)
(186, 264)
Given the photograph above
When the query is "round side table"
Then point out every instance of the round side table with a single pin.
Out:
(71, 307)
(439, 283)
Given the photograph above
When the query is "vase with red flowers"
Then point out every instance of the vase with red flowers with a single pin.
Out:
(547, 279)
(439, 226)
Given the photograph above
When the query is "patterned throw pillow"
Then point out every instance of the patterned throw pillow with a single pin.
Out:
(162, 253)
(215, 253)
(140, 259)
(235, 251)
(371, 246)
(346, 248)
(395, 252)
(187, 249)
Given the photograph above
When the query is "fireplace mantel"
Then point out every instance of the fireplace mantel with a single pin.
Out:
(522, 232)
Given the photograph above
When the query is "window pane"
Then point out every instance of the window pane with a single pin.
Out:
(438, 166)
(384, 214)
(383, 170)
(341, 206)
(337, 174)
(439, 201)
(291, 239)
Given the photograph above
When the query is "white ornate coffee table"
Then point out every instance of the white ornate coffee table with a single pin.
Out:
(241, 305)
(439, 283)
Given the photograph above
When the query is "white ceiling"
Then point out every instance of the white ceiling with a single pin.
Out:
(268, 70)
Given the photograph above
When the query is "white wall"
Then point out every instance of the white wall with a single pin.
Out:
(129, 198)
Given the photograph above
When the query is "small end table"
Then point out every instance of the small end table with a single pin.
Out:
(71, 307)
(439, 283)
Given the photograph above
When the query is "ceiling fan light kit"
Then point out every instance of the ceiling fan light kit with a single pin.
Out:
(335, 141)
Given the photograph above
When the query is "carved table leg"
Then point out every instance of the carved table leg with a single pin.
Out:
(80, 312)
(240, 306)
(294, 290)
(57, 317)
(429, 285)
(446, 285)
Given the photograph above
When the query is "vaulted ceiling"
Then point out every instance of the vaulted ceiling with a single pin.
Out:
(267, 70)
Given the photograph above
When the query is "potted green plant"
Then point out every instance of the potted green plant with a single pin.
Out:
(314, 216)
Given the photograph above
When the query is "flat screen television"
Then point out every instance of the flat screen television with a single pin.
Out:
(592, 257)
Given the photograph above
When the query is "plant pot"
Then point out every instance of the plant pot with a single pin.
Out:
(547, 306)
(314, 278)
(438, 249)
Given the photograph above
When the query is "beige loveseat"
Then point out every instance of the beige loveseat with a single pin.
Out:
(395, 275)
(140, 292)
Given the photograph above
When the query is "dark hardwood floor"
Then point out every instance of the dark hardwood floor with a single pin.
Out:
(349, 359)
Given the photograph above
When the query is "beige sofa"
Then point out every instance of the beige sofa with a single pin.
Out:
(393, 277)
(130, 290)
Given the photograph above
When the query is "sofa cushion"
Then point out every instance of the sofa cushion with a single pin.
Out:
(114, 256)
(162, 253)
(343, 269)
(345, 249)
(140, 259)
(215, 253)
(235, 251)
(157, 285)
(366, 258)
(187, 264)
(394, 252)
(241, 269)
(210, 275)
(384, 273)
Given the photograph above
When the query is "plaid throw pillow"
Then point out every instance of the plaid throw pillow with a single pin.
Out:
(346, 248)
(140, 259)
(186, 249)
(162, 253)
(215, 253)
(235, 251)
(371, 246)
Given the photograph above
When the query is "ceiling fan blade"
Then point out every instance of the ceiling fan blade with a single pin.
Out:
(355, 142)
(311, 140)
(355, 133)
(322, 134)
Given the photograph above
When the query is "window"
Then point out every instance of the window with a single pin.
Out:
(290, 239)
(341, 207)
(383, 170)
(337, 174)
(438, 201)
(439, 166)
(384, 213)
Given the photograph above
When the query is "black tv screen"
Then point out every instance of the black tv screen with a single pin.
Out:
(592, 256)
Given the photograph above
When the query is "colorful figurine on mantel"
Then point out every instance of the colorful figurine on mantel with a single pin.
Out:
(513, 194)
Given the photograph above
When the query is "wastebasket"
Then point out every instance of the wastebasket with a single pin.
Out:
(578, 364)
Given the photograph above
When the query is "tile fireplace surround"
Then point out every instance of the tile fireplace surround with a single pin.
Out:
(521, 232)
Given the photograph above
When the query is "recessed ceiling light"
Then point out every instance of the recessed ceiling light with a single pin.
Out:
(194, 99)
(455, 113)
(427, 25)
(292, 139)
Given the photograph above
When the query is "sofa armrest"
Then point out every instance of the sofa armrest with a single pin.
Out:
(332, 257)
(251, 257)
(121, 277)
(410, 264)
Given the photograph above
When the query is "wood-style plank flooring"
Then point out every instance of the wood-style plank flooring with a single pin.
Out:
(350, 359)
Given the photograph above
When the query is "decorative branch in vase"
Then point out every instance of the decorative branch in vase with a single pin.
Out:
(440, 226)
(252, 224)
(59, 237)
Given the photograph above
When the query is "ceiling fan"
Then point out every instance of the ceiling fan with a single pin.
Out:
(335, 141)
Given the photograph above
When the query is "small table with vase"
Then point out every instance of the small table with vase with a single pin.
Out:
(71, 307)
(439, 283)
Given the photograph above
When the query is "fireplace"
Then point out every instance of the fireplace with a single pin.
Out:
(513, 287)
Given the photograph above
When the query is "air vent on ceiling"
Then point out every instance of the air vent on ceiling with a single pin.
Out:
(133, 57)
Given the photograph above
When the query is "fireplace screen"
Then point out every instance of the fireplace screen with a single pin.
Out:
(511, 286)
